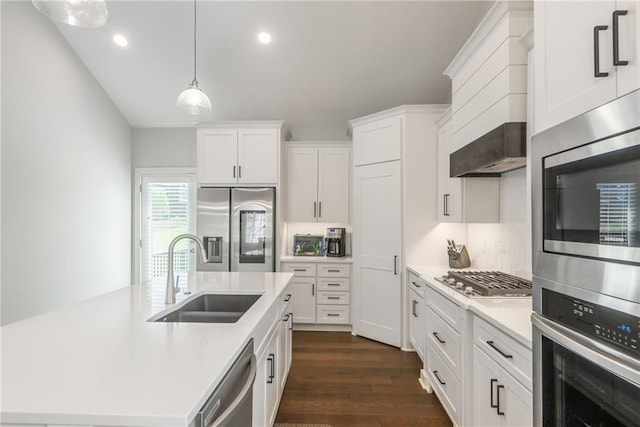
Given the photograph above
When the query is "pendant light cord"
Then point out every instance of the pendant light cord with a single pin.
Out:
(194, 41)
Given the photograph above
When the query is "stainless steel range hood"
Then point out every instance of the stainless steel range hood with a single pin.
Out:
(502, 150)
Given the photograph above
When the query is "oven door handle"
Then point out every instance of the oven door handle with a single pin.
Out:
(601, 354)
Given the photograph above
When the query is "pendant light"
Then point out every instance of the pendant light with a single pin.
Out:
(78, 13)
(193, 100)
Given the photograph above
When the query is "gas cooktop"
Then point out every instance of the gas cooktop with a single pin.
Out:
(488, 284)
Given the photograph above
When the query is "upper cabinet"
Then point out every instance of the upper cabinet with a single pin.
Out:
(318, 182)
(475, 200)
(229, 155)
(378, 141)
(587, 53)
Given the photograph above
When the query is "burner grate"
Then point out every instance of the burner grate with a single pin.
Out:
(490, 283)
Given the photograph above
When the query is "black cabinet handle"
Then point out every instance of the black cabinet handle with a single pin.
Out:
(291, 324)
(319, 209)
(415, 284)
(239, 171)
(333, 314)
(300, 269)
(616, 38)
(313, 289)
(286, 318)
(596, 50)
(413, 308)
(333, 271)
(314, 209)
(333, 297)
(506, 356)
(498, 396)
(440, 340)
(271, 359)
(445, 206)
(288, 298)
(333, 284)
(493, 381)
(395, 264)
(234, 171)
(438, 378)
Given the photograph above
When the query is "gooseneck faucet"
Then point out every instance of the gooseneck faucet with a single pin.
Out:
(172, 289)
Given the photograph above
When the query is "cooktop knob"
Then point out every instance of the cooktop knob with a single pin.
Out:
(451, 282)
(468, 290)
(459, 285)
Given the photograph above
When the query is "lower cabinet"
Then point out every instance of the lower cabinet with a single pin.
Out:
(273, 363)
(321, 292)
(499, 399)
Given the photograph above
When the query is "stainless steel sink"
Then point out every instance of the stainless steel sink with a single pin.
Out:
(211, 308)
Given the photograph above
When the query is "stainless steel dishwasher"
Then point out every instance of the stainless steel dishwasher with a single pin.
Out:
(231, 403)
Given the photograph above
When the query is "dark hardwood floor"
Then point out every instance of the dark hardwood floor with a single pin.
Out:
(342, 380)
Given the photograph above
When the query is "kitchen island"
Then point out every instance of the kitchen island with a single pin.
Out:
(101, 363)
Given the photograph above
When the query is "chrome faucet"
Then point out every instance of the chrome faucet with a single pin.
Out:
(172, 289)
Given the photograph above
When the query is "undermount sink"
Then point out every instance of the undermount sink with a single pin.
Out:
(211, 308)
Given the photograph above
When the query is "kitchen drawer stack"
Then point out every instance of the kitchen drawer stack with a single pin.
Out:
(502, 366)
(444, 351)
(321, 292)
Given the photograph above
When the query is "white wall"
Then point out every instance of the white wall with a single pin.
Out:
(164, 147)
(66, 173)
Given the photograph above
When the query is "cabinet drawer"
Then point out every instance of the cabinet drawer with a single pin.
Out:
(417, 284)
(445, 340)
(333, 314)
(338, 298)
(326, 284)
(508, 353)
(444, 383)
(444, 308)
(334, 270)
(300, 269)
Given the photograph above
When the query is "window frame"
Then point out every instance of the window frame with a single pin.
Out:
(136, 242)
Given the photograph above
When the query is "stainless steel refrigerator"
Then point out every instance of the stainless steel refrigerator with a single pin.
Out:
(237, 227)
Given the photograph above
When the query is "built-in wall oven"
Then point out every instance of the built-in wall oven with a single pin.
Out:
(586, 271)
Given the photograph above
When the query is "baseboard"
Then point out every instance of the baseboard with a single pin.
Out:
(321, 327)
(424, 381)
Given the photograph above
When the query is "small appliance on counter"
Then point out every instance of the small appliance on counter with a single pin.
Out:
(458, 255)
(307, 245)
(335, 242)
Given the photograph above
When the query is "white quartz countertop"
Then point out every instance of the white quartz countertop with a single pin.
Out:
(327, 259)
(99, 362)
(512, 315)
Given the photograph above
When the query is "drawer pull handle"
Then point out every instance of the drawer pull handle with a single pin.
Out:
(440, 340)
(502, 353)
(493, 381)
(438, 378)
(286, 318)
(333, 284)
(333, 315)
(333, 271)
(291, 325)
(616, 38)
(596, 51)
(300, 269)
(333, 297)
(288, 298)
(415, 284)
(498, 411)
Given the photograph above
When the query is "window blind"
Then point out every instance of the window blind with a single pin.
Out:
(618, 212)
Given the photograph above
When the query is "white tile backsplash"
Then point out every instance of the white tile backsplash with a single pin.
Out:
(505, 246)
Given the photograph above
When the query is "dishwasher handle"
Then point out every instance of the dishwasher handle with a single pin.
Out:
(233, 407)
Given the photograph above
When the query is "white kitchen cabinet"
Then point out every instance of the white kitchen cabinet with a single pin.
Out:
(321, 292)
(417, 322)
(468, 200)
(266, 387)
(394, 197)
(565, 83)
(246, 156)
(318, 182)
(499, 399)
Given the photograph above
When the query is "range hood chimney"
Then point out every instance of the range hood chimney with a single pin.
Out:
(501, 150)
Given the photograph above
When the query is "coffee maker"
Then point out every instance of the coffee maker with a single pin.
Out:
(335, 242)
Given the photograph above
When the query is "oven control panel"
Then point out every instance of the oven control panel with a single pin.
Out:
(596, 321)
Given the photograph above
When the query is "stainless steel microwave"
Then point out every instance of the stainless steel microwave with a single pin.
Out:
(586, 200)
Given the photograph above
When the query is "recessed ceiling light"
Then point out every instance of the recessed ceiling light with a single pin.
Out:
(120, 40)
(264, 38)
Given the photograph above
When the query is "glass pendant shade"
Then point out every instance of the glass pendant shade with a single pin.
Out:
(78, 13)
(193, 100)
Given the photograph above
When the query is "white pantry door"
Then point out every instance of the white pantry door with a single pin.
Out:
(376, 247)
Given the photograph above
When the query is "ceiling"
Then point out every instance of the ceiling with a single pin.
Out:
(328, 62)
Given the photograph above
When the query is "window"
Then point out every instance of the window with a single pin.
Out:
(167, 209)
